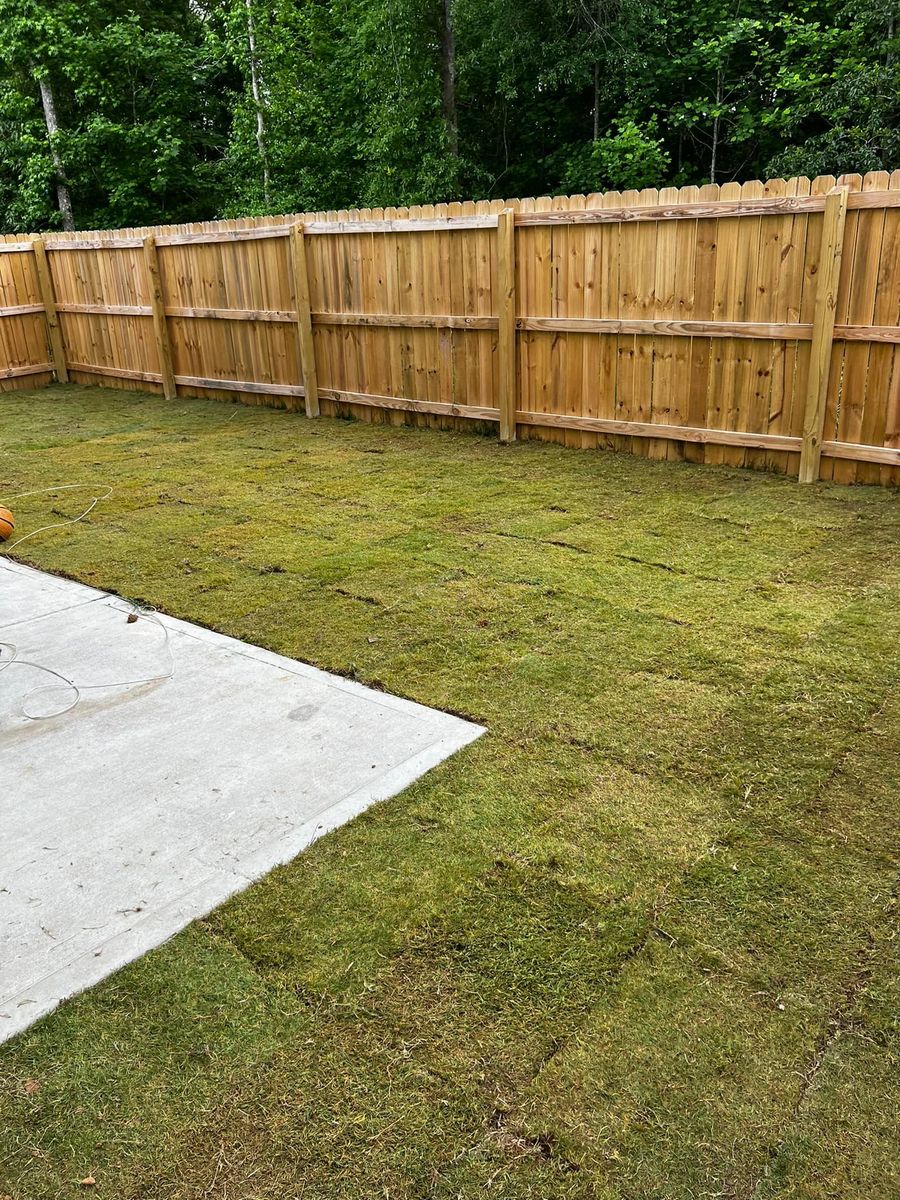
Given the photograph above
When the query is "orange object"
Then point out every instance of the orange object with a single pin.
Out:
(7, 523)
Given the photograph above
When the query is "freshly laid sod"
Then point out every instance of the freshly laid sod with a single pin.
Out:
(639, 941)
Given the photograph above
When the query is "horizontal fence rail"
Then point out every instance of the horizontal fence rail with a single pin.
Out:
(754, 324)
(790, 331)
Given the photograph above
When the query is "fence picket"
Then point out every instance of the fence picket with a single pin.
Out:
(714, 324)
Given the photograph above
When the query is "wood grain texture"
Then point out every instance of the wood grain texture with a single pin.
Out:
(765, 206)
(20, 372)
(19, 310)
(402, 403)
(48, 299)
(115, 372)
(823, 333)
(211, 237)
(506, 341)
(283, 316)
(645, 429)
(675, 323)
(241, 385)
(307, 356)
(88, 243)
(160, 327)
(401, 225)
(107, 310)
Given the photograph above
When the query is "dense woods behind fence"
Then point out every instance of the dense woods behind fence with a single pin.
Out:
(755, 324)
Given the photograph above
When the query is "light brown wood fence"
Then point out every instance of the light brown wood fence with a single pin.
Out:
(753, 324)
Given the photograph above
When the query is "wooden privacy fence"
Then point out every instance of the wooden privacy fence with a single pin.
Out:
(754, 324)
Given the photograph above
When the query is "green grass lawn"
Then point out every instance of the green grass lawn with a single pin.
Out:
(639, 941)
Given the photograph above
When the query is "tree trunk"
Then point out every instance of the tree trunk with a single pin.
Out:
(63, 196)
(256, 91)
(448, 75)
(715, 129)
(596, 101)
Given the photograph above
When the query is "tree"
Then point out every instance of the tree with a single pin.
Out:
(31, 39)
(448, 75)
(256, 92)
(48, 103)
(185, 109)
(627, 157)
(851, 121)
(118, 118)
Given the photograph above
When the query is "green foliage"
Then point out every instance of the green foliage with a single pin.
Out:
(159, 120)
(628, 158)
(851, 120)
(139, 106)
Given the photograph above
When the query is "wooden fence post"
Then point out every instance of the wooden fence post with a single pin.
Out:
(823, 333)
(160, 328)
(506, 326)
(48, 299)
(304, 320)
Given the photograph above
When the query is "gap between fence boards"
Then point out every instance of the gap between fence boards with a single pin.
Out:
(683, 433)
(821, 332)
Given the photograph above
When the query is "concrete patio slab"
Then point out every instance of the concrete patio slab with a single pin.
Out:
(146, 805)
